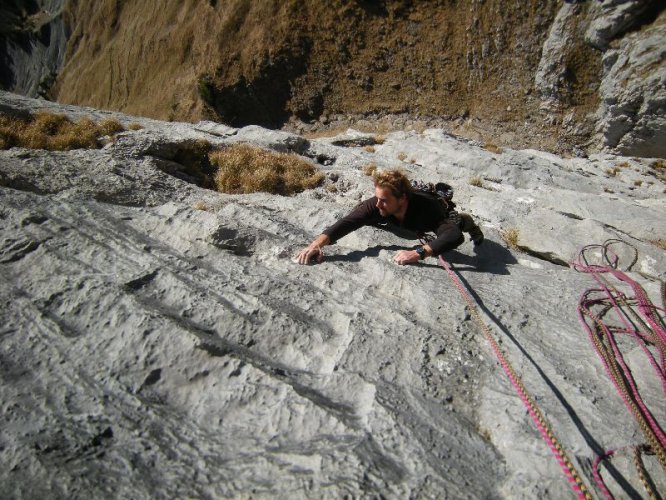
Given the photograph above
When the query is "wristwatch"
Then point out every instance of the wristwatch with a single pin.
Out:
(421, 251)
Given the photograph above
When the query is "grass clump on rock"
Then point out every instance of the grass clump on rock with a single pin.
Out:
(246, 169)
(369, 169)
(493, 148)
(476, 181)
(54, 132)
(510, 237)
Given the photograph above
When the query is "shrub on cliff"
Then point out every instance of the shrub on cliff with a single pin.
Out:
(54, 132)
(247, 169)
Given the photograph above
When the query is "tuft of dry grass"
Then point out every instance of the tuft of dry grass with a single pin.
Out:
(135, 126)
(402, 156)
(54, 132)
(369, 149)
(110, 126)
(476, 181)
(485, 435)
(658, 169)
(510, 237)
(661, 243)
(379, 139)
(493, 148)
(246, 169)
(200, 205)
(658, 165)
(369, 169)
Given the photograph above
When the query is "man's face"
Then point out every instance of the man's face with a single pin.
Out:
(387, 203)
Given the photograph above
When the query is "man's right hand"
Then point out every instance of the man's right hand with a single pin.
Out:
(310, 252)
(313, 250)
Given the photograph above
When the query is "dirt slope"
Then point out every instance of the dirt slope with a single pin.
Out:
(264, 62)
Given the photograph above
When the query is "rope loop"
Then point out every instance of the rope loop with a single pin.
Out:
(635, 316)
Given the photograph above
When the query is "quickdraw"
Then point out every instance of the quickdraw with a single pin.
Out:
(646, 327)
(573, 476)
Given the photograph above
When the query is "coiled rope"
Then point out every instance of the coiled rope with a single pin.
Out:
(574, 478)
(646, 327)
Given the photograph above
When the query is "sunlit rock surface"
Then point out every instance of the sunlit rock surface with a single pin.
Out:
(149, 348)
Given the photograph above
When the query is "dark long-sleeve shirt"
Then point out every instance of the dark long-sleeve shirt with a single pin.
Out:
(424, 214)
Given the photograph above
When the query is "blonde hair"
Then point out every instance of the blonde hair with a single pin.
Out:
(395, 180)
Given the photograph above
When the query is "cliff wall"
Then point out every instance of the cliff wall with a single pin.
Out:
(563, 76)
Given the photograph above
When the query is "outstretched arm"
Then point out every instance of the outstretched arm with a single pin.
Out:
(365, 213)
(313, 250)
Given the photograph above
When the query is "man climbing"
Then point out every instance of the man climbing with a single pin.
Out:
(397, 206)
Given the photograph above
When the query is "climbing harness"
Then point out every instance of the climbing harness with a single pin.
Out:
(635, 317)
(573, 476)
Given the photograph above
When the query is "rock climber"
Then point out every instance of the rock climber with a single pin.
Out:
(396, 206)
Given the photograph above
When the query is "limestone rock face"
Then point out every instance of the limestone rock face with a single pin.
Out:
(613, 18)
(551, 78)
(33, 38)
(632, 114)
(157, 338)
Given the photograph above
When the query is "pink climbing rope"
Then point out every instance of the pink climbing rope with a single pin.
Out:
(538, 418)
(637, 451)
(645, 326)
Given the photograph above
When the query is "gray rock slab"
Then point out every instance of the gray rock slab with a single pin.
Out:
(633, 94)
(158, 339)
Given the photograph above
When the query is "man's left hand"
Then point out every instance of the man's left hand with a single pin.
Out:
(406, 257)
